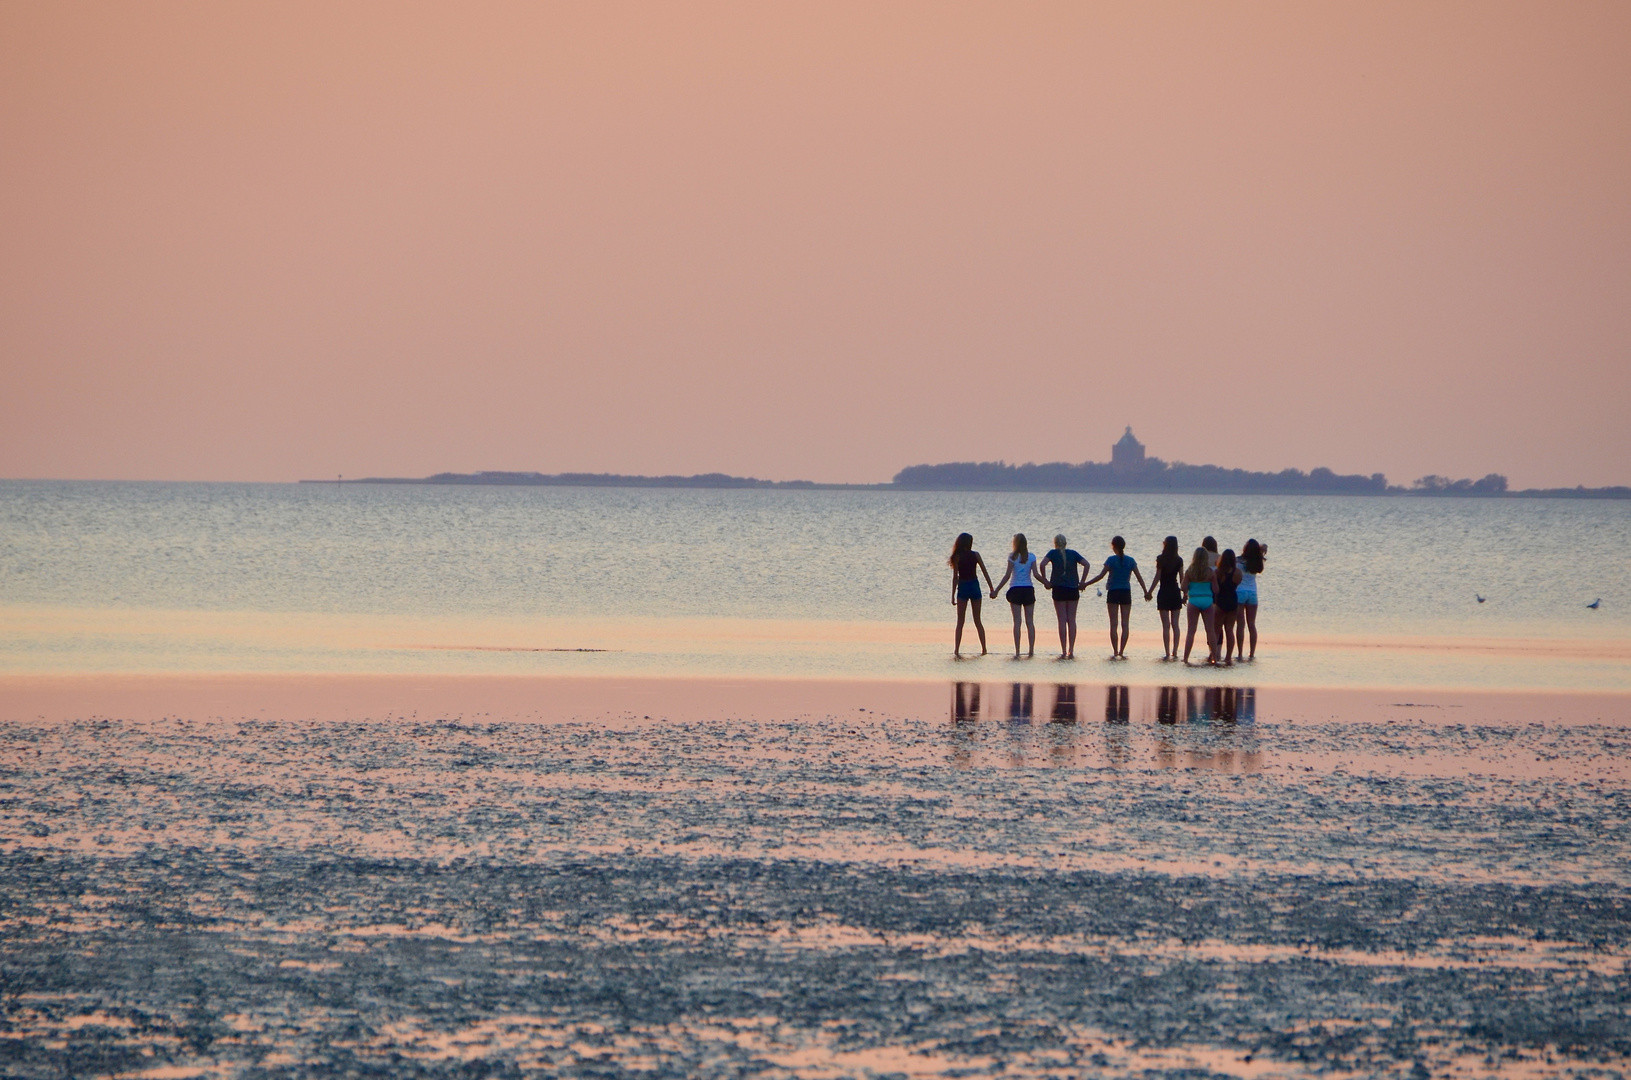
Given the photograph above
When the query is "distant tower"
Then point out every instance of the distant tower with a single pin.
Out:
(1128, 452)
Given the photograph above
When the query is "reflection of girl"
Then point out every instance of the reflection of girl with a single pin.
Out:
(1022, 597)
(1251, 564)
(965, 587)
(1169, 596)
(1059, 575)
(1198, 592)
(1226, 579)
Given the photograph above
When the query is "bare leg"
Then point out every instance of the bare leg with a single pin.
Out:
(1070, 624)
(1126, 628)
(1189, 642)
(1170, 639)
(1228, 618)
(1211, 617)
(1111, 608)
(1059, 607)
(957, 642)
(1251, 628)
(1015, 608)
(978, 627)
(1030, 627)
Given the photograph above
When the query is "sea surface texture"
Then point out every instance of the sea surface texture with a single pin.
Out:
(1031, 881)
(126, 577)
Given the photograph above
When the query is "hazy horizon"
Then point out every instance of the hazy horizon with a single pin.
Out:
(274, 242)
(1393, 481)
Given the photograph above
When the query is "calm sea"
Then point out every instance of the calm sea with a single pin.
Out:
(136, 577)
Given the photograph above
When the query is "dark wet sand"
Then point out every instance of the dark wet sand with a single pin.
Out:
(376, 876)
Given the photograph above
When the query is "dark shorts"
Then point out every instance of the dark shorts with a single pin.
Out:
(1119, 596)
(1064, 596)
(1227, 603)
(1022, 595)
(1169, 599)
(969, 590)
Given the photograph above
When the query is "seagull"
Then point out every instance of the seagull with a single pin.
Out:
(1480, 598)
(1098, 592)
(1594, 603)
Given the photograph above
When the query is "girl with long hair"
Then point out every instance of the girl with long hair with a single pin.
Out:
(1059, 577)
(1198, 594)
(1169, 596)
(1251, 564)
(1226, 580)
(1022, 596)
(965, 587)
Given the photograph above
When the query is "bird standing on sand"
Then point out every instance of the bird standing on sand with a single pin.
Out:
(1480, 598)
(1594, 603)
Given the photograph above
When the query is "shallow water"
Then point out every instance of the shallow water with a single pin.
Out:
(1046, 881)
(219, 577)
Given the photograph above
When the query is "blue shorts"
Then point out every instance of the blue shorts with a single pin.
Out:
(969, 590)
(1247, 596)
(1200, 603)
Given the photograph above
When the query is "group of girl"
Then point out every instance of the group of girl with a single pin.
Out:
(1218, 589)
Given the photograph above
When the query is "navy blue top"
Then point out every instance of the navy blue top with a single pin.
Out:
(1064, 577)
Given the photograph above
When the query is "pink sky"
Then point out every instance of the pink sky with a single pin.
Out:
(270, 241)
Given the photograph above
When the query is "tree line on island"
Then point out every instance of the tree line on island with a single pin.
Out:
(1129, 471)
(1177, 478)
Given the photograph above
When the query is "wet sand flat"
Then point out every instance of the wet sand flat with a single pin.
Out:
(375, 876)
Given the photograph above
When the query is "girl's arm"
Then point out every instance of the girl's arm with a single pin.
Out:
(1006, 574)
(1043, 567)
(1141, 584)
(980, 562)
(1101, 573)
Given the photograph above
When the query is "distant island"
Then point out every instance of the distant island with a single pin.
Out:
(1129, 471)
(538, 479)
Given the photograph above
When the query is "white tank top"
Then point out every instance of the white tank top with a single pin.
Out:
(1248, 581)
(1022, 570)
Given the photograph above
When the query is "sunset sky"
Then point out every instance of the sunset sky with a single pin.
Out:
(271, 241)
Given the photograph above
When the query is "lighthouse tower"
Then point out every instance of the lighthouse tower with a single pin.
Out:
(1128, 452)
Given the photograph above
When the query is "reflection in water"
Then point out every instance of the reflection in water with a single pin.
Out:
(1245, 703)
(1118, 704)
(1020, 699)
(967, 703)
(1118, 744)
(1064, 703)
(1193, 727)
(1222, 704)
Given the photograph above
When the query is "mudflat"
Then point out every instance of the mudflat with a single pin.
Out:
(248, 876)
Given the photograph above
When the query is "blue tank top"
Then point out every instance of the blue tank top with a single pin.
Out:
(1121, 569)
